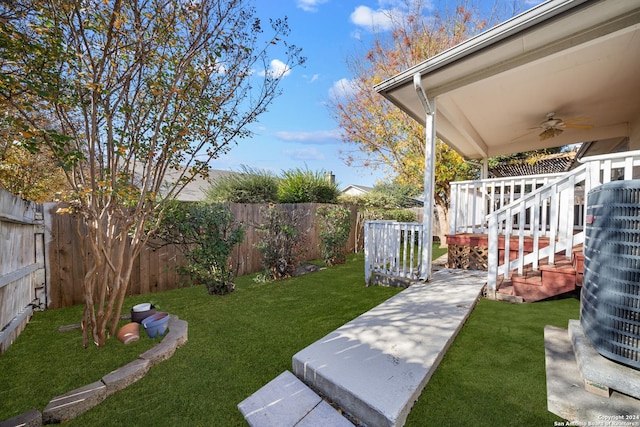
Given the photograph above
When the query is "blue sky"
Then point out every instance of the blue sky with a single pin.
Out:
(298, 131)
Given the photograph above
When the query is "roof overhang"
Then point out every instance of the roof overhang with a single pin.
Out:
(577, 58)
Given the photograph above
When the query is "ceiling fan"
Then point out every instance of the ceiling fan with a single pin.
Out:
(553, 126)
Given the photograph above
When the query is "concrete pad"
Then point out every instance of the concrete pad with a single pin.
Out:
(600, 371)
(324, 415)
(74, 403)
(566, 395)
(32, 418)
(376, 366)
(125, 375)
(285, 402)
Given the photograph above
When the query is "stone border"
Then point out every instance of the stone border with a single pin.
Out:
(78, 401)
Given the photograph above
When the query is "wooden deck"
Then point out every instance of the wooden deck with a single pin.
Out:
(469, 251)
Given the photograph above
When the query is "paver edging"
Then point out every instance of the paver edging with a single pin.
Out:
(64, 407)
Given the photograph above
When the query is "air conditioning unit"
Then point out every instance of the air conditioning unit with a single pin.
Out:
(610, 308)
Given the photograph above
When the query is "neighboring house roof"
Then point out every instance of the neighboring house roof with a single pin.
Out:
(356, 190)
(551, 163)
(196, 190)
(576, 58)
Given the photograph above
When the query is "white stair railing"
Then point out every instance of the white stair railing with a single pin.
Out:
(560, 196)
(393, 248)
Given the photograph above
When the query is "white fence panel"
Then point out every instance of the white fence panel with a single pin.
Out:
(393, 248)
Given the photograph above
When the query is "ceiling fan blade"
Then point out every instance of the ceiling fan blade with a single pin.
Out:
(523, 135)
(576, 119)
(578, 126)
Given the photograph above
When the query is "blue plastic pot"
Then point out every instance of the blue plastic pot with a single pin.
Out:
(156, 324)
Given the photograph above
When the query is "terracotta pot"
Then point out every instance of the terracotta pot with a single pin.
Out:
(156, 324)
(129, 333)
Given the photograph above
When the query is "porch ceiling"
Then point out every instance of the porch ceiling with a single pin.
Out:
(577, 58)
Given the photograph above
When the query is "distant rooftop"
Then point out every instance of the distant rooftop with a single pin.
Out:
(551, 163)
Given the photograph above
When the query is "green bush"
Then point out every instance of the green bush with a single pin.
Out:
(305, 186)
(400, 215)
(281, 242)
(350, 199)
(205, 235)
(335, 226)
(248, 186)
(383, 196)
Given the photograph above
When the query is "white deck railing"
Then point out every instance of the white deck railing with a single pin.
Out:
(393, 248)
(529, 216)
(551, 206)
(472, 201)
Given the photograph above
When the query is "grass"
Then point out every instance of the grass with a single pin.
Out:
(492, 375)
(494, 372)
(237, 343)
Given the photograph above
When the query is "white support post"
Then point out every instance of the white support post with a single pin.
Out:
(367, 253)
(429, 188)
(493, 258)
(429, 107)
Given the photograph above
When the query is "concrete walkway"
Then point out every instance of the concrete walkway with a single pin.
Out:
(375, 367)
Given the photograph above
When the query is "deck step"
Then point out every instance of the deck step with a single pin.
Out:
(550, 280)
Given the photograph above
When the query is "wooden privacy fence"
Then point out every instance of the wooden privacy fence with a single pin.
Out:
(155, 268)
(22, 265)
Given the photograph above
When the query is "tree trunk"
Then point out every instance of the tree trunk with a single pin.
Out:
(109, 257)
(442, 216)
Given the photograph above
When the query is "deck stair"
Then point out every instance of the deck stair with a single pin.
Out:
(549, 280)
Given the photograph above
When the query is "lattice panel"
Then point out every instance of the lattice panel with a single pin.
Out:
(468, 257)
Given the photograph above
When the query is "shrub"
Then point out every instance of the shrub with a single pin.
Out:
(248, 186)
(383, 196)
(350, 199)
(400, 215)
(281, 243)
(305, 186)
(205, 234)
(335, 226)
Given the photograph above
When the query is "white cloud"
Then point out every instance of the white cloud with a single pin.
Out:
(309, 153)
(310, 5)
(277, 69)
(375, 20)
(343, 88)
(315, 137)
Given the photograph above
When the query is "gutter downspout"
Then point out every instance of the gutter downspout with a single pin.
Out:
(429, 177)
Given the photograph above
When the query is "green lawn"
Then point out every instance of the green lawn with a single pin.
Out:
(493, 374)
